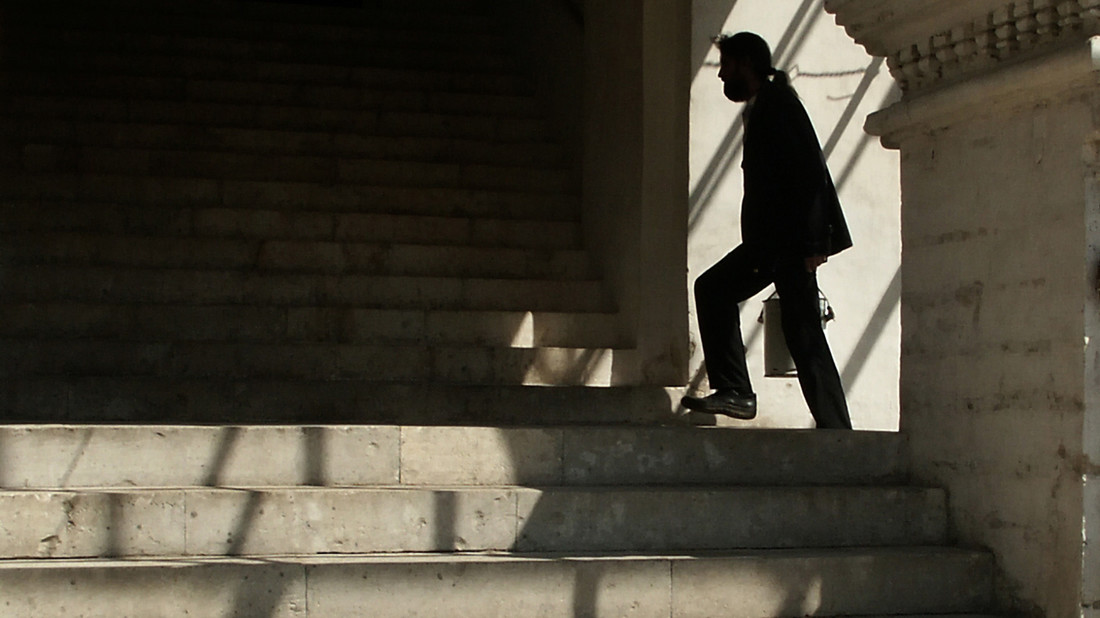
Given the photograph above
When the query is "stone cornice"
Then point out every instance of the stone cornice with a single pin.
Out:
(1066, 69)
(927, 42)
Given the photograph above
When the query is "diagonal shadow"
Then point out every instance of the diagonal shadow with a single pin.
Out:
(315, 446)
(879, 319)
(869, 76)
(244, 523)
(262, 597)
(85, 440)
(864, 142)
(792, 41)
(714, 15)
(228, 439)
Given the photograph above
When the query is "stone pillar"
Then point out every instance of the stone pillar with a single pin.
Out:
(635, 172)
(999, 133)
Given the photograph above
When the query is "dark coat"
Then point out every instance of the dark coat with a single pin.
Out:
(790, 208)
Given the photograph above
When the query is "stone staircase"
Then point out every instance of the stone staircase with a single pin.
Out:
(276, 267)
(340, 521)
(266, 212)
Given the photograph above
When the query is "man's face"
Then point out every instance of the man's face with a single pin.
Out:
(734, 76)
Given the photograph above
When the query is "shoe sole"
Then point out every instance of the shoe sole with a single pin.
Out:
(743, 415)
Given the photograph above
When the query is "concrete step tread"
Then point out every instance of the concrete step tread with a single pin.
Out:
(346, 171)
(249, 287)
(267, 114)
(449, 48)
(297, 256)
(274, 323)
(761, 584)
(92, 58)
(257, 86)
(259, 223)
(922, 551)
(266, 16)
(343, 136)
(82, 346)
(390, 362)
(213, 521)
(276, 401)
(213, 171)
(108, 238)
(74, 140)
(603, 491)
(160, 455)
(384, 198)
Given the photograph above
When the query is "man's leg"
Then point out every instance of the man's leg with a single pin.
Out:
(718, 292)
(817, 373)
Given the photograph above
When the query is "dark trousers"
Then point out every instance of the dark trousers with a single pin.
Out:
(741, 275)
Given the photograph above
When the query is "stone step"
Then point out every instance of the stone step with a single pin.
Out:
(64, 457)
(254, 223)
(107, 399)
(267, 114)
(27, 284)
(103, 53)
(256, 86)
(319, 361)
(263, 20)
(146, 163)
(252, 44)
(81, 143)
(746, 584)
(274, 324)
(373, 43)
(203, 521)
(163, 191)
(293, 256)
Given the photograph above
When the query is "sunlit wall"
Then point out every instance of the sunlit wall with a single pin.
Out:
(839, 84)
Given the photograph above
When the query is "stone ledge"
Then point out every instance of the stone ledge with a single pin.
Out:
(66, 457)
(1067, 68)
(866, 582)
(302, 521)
(929, 43)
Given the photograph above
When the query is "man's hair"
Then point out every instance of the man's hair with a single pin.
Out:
(752, 48)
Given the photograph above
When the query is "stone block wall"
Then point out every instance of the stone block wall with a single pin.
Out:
(992, 316)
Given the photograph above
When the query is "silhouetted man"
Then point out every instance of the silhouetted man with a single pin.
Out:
(791, 223)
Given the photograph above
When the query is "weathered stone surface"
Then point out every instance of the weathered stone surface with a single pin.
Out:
(743, 584)
(849, 583)
(92, 524)
(686, 455)
(303, 521)
(489, 588)
(73, 456)
(480, 456)
(276, 522)
(643, 519)
(126, 456)
(184, 588)
(253, 400)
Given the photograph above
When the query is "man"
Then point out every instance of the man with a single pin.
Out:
(791, 223)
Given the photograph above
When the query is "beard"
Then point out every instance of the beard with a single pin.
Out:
(736, 90)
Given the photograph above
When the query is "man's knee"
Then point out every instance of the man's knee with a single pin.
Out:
(704, 284)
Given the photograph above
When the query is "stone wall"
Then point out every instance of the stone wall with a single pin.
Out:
(635, 170)
(840, 84)
(1001, 224)
(992, 348)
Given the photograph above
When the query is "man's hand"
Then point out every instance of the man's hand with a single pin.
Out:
(814, 261)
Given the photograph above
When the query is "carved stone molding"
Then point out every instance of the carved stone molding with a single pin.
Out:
(931, 41)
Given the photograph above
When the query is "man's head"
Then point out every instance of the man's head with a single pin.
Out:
(745, 65)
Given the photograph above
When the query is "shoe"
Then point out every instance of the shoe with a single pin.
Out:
(725, 402)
